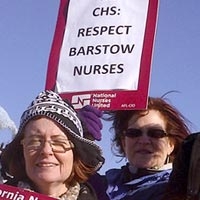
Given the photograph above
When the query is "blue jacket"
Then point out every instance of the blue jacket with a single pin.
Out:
(143, 185)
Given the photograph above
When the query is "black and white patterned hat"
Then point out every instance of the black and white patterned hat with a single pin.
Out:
(51, 105)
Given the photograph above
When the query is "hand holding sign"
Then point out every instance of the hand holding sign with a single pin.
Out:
(91, 117)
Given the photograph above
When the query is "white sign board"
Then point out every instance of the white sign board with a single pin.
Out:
(101, 53)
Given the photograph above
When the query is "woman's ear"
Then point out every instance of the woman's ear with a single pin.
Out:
(170, 147)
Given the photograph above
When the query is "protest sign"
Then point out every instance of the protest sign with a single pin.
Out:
(8, 192)
(102, 51)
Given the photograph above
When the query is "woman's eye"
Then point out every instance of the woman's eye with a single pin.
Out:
(34, 142)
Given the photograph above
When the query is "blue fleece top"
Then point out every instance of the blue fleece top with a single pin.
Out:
(142, 185)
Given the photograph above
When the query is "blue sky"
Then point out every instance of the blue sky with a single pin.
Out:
(26, 33)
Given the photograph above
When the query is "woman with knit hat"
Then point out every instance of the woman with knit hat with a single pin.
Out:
(49, 154)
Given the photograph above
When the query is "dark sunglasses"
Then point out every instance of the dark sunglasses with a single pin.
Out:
(153, 133)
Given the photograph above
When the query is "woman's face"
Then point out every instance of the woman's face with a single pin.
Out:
(46, 160)
(141, 149)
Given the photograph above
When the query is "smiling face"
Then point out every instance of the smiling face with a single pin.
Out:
(43, 165)
(145, 151)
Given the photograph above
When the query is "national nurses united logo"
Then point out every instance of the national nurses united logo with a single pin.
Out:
(79, 101)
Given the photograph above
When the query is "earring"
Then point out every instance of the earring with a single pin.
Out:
(167, 159)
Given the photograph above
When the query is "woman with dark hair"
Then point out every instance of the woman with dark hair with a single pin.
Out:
(184, 181)
(49, 154)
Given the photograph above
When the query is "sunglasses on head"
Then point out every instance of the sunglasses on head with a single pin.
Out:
(153, 133)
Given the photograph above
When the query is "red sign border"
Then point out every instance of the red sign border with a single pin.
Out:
(12, 192)
(140, 96)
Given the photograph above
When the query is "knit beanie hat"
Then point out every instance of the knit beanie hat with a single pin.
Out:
(51, 105)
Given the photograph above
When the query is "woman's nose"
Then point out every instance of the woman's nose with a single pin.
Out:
(46, 148)
(144, 138)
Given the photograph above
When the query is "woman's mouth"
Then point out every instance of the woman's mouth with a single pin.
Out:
(46, 164)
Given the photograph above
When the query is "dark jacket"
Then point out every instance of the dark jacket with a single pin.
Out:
(87, 192)
(122, 184)
(99, 184)
(144, 184)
